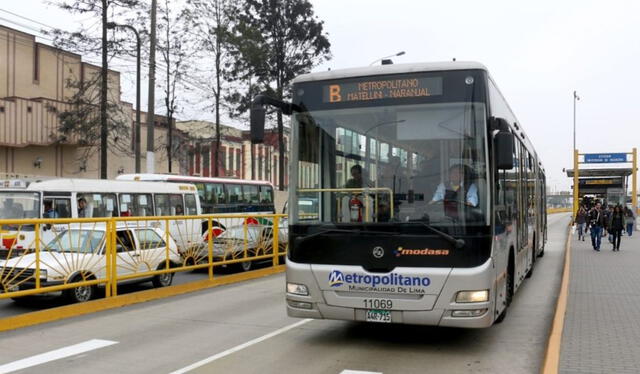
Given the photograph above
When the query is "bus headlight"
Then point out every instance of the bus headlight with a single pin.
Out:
(297, 289)
(472, 296)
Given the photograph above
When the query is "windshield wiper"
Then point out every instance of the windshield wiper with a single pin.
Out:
(300, 240)
(457, 243)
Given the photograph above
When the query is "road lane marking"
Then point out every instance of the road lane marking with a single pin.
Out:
(57, 354)
(359, 372)
(240, 347)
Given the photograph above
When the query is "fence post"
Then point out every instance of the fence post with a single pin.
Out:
(276, 246)
(37, 239)
(114, 265)
(210, 246)
(166, 240)
(108, 255)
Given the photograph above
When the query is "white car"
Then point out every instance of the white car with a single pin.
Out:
(230, 243)
(78, 254)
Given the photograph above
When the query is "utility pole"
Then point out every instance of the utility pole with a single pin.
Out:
(104, 133)
(152, 86)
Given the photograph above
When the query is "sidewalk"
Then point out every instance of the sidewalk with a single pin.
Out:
(602, 323)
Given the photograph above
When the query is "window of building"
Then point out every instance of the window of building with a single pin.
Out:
(36, 64)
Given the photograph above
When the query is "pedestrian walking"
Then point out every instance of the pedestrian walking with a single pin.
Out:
(596, 222)
(606, 213)
(616, 225)
(629, 219)
(581, 221)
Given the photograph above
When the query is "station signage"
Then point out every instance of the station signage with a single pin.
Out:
(600, 182)
(604, 158)
(382, 89)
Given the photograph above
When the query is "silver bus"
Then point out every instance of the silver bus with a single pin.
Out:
(415, 196)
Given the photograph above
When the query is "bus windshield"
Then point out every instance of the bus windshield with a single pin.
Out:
(399, 163)
(19, 205)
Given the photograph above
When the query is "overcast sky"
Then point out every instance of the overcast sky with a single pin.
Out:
(538, 53)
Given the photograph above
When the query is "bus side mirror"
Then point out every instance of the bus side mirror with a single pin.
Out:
(257, 124)
(503, 142)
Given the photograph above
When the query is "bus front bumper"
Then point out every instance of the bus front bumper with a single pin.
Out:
(443, 311)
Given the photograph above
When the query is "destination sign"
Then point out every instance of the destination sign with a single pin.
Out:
(601, 182)
(382, 89)
(604, 158)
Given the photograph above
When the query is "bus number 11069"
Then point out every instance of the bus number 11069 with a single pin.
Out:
(384, 304)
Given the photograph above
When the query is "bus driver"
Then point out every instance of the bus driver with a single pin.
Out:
(451, 193)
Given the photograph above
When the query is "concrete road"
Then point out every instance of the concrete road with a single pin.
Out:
(233, 323)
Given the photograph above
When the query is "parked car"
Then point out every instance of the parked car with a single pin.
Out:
(78, 254)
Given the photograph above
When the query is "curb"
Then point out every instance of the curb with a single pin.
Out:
(74, 310)
(552, 353)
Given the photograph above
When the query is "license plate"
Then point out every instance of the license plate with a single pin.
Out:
(381, 316)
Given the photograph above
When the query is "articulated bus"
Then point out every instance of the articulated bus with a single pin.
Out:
(427, 196)
(101, 198)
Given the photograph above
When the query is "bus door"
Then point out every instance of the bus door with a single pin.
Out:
(54, 205)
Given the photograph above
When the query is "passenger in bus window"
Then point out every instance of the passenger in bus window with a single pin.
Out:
(356, 177)
(82, 207)
(458, 185)
(49, 212)
(179, 210)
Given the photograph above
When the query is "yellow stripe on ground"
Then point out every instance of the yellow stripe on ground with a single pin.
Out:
(552, 355)
(67, 311)
(558, 210)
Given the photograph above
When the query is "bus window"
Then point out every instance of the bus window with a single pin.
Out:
(201, 192)
(251, 194)
(163, 205)
(190, 205)
(169, 205)
(100, 204)
(136, 205)
(217, 191)
(266, 195)
(207, 197)
(235, 193)
(177, 205)
(62, 207)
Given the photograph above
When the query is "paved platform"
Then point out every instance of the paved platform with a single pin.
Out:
(602, 323)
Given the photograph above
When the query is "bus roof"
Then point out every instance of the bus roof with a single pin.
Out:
(187, 179)
(102, 185)
(389, 69)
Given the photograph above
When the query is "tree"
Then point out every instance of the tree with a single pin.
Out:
(83, 120)
(84, 42)
(288, 40)
(175, 48)
(210, 21)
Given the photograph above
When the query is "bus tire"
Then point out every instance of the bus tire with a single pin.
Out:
(510, 279)
(533, 260)
(502, 315)
(80, 294)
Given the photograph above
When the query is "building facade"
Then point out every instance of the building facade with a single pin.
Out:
(37, 83)
(237, 157)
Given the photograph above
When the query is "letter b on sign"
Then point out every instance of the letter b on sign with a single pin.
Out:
(334, 93)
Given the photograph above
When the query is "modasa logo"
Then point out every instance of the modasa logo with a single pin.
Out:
(420, 252)
(338, 278)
